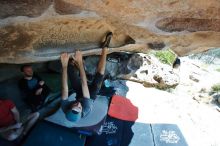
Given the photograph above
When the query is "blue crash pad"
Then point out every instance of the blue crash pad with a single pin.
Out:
(49, 134)
(168, 135)
(117, 132)
(91, 123)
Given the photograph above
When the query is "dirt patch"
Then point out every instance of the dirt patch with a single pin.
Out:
(156, 45)
(29, 8)
(188, 24)
(14, 38)
(63, 8)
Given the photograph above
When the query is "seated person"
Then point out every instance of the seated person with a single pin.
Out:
(176, 63)
(33, 87)
(83, 104)
(10, 125)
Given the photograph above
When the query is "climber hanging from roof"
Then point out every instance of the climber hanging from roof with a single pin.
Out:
(81, 107)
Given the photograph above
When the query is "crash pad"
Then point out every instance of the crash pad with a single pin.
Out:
(49, 134)
(122, 108)
(168, 135)
(4, 142)
(116, 132)
(91, 123)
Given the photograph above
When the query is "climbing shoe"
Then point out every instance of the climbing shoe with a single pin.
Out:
(107, 40)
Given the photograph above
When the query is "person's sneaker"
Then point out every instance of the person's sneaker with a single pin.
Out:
(107, 40)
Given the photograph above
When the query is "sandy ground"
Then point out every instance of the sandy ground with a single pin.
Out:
(199, 122)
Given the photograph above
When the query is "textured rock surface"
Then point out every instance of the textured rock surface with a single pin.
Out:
(149, 71)
(51, 37)
(32, 8)
(141, 68)
(33, 31)
(188, 24)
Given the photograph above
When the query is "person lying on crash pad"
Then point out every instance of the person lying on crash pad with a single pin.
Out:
(85, 95)
(10, 124)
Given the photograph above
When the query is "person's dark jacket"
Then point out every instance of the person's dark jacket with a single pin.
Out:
(176, 63)
(29, 94)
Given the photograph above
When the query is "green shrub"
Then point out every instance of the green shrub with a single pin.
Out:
(218, 69)
(166, 56)
(216, 88)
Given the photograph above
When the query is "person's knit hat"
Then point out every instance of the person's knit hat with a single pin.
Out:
(73, 115)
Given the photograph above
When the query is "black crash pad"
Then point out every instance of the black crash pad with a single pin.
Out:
(4, 142)
(117, 132)
(49, 134)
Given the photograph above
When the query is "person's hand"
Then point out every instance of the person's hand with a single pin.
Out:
(41, 83)
(39, 91)
(64, 59)
(17, 126)
(77, 59)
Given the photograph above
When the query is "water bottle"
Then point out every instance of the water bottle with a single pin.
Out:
(107, 83)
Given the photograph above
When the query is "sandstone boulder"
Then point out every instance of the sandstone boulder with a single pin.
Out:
(39, 30)
(141, 68)
(151, 72)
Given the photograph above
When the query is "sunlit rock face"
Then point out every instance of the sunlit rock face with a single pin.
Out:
(44, 40)
(39, 30)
